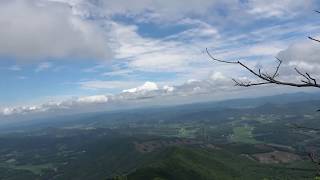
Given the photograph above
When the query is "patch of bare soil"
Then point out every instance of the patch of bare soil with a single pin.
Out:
(276, 157)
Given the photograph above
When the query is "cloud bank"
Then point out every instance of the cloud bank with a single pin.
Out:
(37, 30)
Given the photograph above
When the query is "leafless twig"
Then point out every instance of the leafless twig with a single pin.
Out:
(269, 79)
(313, 39)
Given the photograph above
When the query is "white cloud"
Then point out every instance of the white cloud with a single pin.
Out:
(7, 111)
(68, 104)
(303, 55)
(168, 88)
(149, 54)
(147, 86)
(22, 110)
(300, 53)
(217, 76)
(168, 10)
(275, 8)
(35, 29)
(145, 10)
(43, 66)
(57, 28)
(93, 99)
(164, 11)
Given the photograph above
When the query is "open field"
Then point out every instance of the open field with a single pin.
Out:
(243, 134)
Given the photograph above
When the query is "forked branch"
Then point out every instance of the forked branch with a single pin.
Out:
(266, 78)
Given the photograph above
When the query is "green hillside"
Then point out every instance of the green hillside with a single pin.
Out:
(194, 163)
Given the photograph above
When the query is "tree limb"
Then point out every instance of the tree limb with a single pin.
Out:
(313, 39)
(269, 79)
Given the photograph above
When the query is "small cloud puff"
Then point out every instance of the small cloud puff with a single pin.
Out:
(93, 99)
(168, 88)
(147, 86)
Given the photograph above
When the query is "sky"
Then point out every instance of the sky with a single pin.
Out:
(66, 54)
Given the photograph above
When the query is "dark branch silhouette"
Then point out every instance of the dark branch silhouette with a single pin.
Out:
(265, 78)
(313, 39)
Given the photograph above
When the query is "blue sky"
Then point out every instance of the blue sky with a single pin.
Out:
(64, 50)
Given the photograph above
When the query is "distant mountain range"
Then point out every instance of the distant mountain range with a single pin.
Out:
(262, 103)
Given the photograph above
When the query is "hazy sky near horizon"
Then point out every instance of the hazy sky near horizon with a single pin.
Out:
(65, 53)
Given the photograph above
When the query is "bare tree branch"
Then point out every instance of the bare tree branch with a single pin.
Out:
(313, 39)
(278, 67)
(247, 84)
(307, 78)
(267, 78)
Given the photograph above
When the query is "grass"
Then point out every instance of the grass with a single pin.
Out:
(35, 169)
(194, 163)
(187, 132)
(243, 134)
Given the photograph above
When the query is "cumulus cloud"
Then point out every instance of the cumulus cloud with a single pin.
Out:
(148, 90)
(22, 110)
(217, 76)
(147, 86)
(35, 29)
(215, 82)
(275, 8)
(304, 55)
(68, 104)
(93, 99)
(168, 88)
